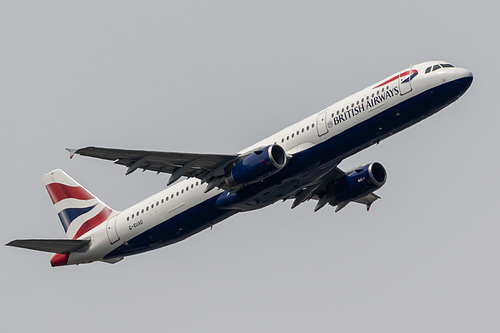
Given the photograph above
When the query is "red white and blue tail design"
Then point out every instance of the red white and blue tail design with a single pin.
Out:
(78, 209)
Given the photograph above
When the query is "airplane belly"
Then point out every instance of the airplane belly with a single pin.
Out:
(175, 229)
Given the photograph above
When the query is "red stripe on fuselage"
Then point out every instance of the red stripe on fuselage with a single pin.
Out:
(93, 222)
(58, 192)
(396, 76)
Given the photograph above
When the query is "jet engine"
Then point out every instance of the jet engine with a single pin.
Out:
(257, 166)
(357, 183)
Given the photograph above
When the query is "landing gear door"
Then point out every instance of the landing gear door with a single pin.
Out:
(321, 124)
(111, 230)
(405, 81)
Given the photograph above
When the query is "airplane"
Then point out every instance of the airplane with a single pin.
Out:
(298, 163)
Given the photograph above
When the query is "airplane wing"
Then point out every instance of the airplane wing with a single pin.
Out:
(206, 167)
(319, 190)
(367, 200)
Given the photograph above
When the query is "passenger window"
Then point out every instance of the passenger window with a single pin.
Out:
(298, 132)
(132, 215)
(288, 138)
(162, 201)
(182, 191)
(172, 196)
(312, 126)
(293, 134)
(157, 203)
(147, 208)
(128, 218)
(142, 211)
(308, 128)
(302, 129)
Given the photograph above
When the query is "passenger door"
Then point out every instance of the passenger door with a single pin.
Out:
(405, 82)
(321, 124)
(111, 230)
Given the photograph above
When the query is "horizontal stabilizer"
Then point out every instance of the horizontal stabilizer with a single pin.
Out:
(61, 246)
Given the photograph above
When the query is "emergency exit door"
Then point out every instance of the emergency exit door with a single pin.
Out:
(111, 230)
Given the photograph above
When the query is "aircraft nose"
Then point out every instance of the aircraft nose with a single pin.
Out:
(463, 78)
(463, 73)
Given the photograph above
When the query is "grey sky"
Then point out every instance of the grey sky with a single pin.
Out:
(216, 77)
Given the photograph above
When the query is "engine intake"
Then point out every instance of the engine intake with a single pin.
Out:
(257, 166)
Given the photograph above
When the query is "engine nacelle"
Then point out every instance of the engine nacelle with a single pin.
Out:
(358, 183)
(257, 166)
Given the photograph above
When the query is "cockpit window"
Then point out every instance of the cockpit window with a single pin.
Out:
(437, 66)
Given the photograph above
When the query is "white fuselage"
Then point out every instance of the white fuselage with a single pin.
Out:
(325, 125)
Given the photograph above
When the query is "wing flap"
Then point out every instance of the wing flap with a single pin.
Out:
(62, 246)
(368, 200)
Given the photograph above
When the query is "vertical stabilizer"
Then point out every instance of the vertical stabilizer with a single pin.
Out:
(78, 209)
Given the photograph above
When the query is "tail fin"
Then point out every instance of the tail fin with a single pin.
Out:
(78, 209)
